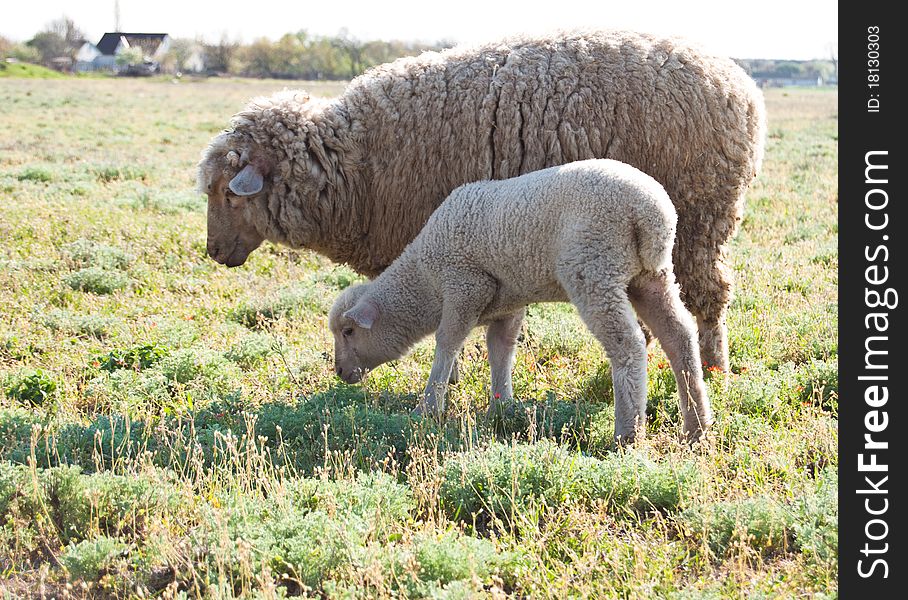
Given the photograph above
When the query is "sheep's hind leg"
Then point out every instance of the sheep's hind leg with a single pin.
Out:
(657, 301)
(607, 313)
(501, 340)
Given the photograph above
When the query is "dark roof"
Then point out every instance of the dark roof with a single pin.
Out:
(149, 42)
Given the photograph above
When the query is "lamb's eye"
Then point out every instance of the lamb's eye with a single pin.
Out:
(347, 332)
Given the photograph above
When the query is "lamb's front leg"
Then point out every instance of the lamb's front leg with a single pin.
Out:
(446, 351)
(501, 340)
(451, 334)
(466, 294)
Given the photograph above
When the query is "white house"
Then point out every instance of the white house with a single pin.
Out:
(103, 55)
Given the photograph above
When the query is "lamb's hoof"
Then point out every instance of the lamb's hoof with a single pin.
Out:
(624, 440)
(424, 410)
(495, 413)
(505, 409)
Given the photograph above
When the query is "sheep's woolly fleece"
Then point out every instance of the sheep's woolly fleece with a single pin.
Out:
(597, 233)
(355, 178)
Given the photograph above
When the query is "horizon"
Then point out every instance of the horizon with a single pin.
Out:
(775, 32)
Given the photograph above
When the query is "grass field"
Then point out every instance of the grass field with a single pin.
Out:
(172, 428)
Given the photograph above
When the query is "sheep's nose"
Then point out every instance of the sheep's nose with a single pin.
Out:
(339, 371)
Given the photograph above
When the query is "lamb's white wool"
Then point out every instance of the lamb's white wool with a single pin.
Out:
(357, 177)
(597, 233)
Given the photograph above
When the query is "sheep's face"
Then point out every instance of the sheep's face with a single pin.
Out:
(234, 185)
(359, 344)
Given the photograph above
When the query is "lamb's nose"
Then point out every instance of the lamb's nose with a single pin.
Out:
(339, 371)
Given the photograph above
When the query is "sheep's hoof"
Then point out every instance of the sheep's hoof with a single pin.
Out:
(713, 346)
(694, 432)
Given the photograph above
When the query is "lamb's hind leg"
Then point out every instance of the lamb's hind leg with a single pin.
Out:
(657, 301)
(606, 311)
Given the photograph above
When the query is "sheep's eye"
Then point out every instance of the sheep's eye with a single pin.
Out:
(347, 331)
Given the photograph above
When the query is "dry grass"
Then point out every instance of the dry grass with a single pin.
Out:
(219, 457)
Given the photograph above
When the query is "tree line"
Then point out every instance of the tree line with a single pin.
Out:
(303, 55)
(299, 55)
(826, 70)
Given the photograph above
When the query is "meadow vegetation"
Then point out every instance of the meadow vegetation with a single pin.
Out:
(170, 427)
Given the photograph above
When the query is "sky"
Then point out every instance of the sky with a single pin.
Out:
(792, 29)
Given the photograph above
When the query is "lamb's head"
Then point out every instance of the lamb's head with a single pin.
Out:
(234, 181)
(250, 173)
(362, 339)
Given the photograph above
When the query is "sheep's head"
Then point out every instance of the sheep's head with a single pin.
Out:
(233, 178)
(361, 343)
(271, 157)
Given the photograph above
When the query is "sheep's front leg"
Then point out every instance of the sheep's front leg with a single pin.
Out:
(501, 340)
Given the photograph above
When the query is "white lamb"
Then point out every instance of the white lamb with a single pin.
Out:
(597, 233)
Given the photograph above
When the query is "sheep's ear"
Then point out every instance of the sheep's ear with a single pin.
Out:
(364, 313)
(247, 182)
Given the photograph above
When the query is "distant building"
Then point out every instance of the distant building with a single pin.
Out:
(103, 55)
(85, 55)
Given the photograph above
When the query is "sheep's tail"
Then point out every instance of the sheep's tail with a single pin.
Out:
(656, 224)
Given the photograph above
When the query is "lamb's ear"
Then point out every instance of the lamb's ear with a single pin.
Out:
(247, 182)
(364, 313)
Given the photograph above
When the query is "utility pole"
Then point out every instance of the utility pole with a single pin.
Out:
(117, 16)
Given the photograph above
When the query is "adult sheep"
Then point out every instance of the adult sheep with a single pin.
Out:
(355, 178)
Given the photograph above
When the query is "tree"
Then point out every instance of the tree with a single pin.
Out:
(6, 46)
(353, 49)
(66, 29)
(258, 59)
(181, 53)
(833, 50)
(22, 53)
(60, 38)
(48, 45)
(129, 57)
(220, 57)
